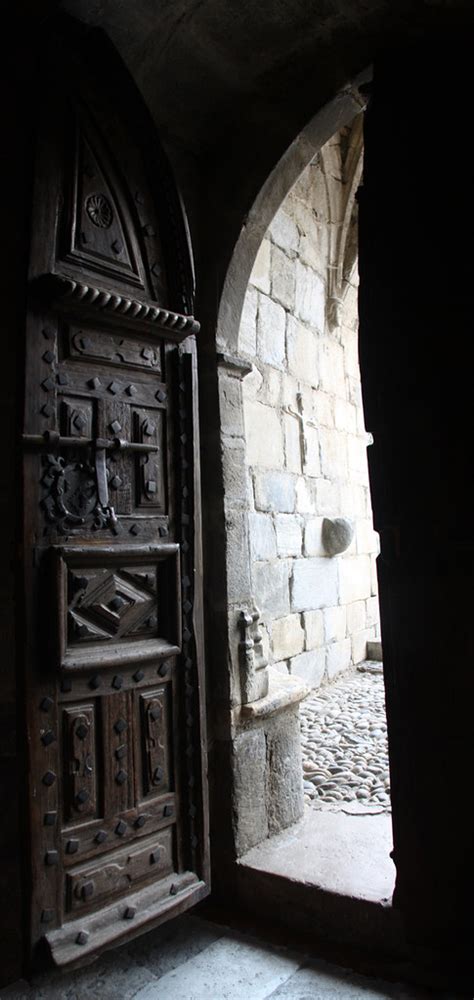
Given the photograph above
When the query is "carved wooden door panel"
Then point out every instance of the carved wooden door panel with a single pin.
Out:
(113, 630)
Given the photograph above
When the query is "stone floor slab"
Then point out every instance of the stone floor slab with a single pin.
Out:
(320, 981)
(233, 968)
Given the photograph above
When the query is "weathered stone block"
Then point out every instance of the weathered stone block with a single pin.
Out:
(284, 791)
(333, 454)
(305, 496)
(313, 622)
(356, 617)
(327, 498)
(323, 408)
(271, 588)
(283, 278)
(249, 770)
(366, 538)
(345, 416)
(238, 557)
(291, 430)
(338, 657)
(287, 637)
(262, 537)
(260, 276)
(275, 491)
(271, 386)
(248, 323)
(271, 325)
(357, 459)
(314, 584)
(313, 544)
(334, 624)
(235, 473)
(359, 644)
(312, 465)
(231, 405)
(372, 611)
(309, 296)
(288, 535)
(331, 366)
(310, 666)
(284, 231)
(264, 436)
(281, 667)
(302, 352)
(354, 578)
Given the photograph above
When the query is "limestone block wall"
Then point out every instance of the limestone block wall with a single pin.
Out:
(305, 440)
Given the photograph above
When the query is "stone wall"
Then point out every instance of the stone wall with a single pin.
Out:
(305, 439)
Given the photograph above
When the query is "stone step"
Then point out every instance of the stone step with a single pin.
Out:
(374, 649)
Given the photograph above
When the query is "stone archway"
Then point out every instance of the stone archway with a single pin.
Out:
(264, 720)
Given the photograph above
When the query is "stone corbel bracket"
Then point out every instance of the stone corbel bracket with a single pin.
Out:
(252, 660)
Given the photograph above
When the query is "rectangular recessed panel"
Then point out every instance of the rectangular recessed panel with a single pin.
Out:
(118, 604)
(120, 872)
(118, 737)
(115, 348)
(150, 488)
(79, 763)
(155, 740)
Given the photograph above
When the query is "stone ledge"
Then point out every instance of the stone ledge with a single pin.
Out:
(283, 692)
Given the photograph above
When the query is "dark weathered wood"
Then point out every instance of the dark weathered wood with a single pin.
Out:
(113, 636)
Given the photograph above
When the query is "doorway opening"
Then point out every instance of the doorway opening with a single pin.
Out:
(312, 545)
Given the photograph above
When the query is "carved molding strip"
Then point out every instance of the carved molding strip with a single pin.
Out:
(92, 299)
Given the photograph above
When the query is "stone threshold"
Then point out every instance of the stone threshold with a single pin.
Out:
(283, 691)
(330, 875)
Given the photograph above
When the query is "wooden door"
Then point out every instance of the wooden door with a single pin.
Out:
(113, 626)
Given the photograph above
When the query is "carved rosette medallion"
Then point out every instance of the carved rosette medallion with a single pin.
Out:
(99, 210)
(71, 499)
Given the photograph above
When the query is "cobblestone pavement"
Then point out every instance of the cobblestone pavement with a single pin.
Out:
(344, 742)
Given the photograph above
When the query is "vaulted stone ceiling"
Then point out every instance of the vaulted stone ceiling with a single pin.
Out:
(230, 83)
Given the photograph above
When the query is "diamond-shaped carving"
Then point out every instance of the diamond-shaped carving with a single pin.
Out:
(48, 356)
(120, 726)
(101, 836)
(120, 828)
(117, 682)
(94, 383)
(47, 409)
(48, 384)
(115, 426)
(113, 604)
(160, 395)
(114, 388)
(121, 777)
(63, 378)
(81, 731)
(131, 389)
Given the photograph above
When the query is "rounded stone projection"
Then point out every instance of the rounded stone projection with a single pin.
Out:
(337, 534)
